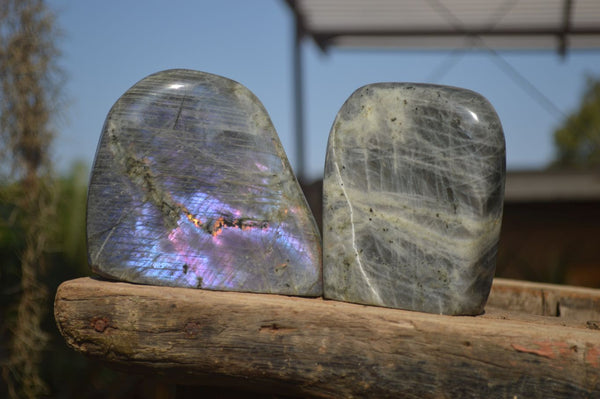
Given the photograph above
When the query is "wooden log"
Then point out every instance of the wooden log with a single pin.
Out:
(328, 349)
(569, 303)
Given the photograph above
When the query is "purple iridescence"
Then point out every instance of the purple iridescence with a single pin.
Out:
(191, 188)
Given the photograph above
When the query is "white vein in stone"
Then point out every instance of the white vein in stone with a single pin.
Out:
(421, 170)
(360, 266)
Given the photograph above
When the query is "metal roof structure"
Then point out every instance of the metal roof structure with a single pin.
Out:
(488, 25)
(444, 24)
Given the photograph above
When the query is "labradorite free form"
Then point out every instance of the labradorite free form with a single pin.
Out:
(413, 196)
(191, 188)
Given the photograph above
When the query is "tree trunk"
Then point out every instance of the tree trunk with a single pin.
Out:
(329, 349)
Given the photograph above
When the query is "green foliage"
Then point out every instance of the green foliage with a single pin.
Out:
(578, 139)
(64, 258)
(12, 242)
(68, 245)
(28, 93)
(66, 373)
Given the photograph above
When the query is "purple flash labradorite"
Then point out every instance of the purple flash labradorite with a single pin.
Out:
(191, 188)
(413, 196)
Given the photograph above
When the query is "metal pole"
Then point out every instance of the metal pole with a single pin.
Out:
(298, 99)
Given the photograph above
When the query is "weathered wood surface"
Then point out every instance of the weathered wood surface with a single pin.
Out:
(563, 301)
(315, 347)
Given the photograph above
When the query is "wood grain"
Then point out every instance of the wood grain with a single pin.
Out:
(563, 301)
(314, 347)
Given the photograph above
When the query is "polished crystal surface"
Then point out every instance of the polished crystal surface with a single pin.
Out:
(191, 188)
(413, 196)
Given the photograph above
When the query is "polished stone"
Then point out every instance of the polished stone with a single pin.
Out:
(413, 196)
(191, 188)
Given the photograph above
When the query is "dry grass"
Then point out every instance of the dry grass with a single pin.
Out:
(28, 88)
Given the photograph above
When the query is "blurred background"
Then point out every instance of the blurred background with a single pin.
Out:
(64, 63)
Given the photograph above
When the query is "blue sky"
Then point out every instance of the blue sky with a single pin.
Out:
(109, 45)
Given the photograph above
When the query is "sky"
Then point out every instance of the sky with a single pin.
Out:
(107, 46)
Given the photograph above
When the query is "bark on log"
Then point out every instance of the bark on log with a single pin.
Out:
(320, 348)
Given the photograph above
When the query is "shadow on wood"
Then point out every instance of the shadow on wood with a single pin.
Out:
(314, 347)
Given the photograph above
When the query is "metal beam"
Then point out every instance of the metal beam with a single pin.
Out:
(566, 26)
(298, 85)
(327, 38)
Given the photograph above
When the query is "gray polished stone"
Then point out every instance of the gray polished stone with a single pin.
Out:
(413, 196)
(191, 188)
